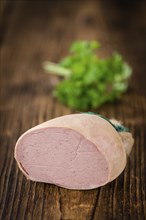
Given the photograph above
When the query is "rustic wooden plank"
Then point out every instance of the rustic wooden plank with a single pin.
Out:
(41, 31)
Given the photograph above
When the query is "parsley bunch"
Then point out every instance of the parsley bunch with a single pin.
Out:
(89, 81)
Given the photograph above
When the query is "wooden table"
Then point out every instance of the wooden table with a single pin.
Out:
(34, 31)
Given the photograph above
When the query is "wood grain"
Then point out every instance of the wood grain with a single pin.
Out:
(35, 31)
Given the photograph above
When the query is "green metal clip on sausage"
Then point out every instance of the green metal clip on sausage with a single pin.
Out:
(119, 128)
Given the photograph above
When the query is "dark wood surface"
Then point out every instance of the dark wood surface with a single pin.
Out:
(34, 31)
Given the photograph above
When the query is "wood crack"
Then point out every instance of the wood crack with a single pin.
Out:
(60, 203)
(95, 205)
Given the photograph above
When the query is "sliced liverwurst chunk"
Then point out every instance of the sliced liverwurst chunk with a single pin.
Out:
(77, 151)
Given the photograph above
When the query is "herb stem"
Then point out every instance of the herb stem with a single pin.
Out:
(56, 69)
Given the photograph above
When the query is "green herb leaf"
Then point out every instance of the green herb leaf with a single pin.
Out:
(89, 80)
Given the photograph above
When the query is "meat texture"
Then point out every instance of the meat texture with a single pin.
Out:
(77, 151)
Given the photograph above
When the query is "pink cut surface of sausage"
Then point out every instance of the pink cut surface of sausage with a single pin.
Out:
(78, 151)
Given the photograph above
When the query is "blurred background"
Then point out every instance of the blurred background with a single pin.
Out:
(35, 31)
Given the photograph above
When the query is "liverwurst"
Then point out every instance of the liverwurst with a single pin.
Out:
(77, 151)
